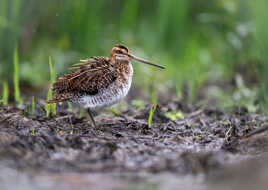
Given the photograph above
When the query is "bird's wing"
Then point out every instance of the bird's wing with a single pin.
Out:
(88, 77)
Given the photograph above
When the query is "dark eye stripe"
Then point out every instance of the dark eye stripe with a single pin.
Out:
(122, 47)
(119, 51)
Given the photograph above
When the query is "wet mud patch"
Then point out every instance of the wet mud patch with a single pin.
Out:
(204, 141)
(126, 142)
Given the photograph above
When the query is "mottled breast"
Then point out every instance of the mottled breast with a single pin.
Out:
(116, 91)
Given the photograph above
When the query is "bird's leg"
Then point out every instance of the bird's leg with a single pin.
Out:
(91, 117)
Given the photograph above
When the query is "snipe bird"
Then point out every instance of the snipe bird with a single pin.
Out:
(98, 81)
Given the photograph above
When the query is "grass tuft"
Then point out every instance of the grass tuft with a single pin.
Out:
(151, 114)
(48, 106)
(51, 108)
(26, 110)
(33, 131)
(175, 115)
(114, 110)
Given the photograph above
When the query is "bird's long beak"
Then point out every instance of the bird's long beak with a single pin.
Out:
(146, 62)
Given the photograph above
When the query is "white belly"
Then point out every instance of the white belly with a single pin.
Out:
(108, 96)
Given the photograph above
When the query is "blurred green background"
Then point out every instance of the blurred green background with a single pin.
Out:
(214, 48)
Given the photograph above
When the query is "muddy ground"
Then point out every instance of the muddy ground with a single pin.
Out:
(204, 148)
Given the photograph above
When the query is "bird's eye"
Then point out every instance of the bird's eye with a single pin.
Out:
(119, 52)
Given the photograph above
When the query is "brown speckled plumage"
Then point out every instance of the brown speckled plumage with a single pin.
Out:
(90, 76)
(97, 81)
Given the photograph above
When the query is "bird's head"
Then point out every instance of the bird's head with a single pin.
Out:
(121, 52)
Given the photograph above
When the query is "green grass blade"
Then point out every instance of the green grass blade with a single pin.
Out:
(5, 93)
(26, 110)
(51, 70)
(48, 106)
(3, 10)
(16, 75)
(151, 114)
(51, 108)
(259, 10)
(33, 106)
